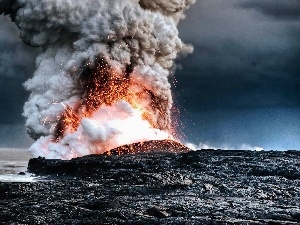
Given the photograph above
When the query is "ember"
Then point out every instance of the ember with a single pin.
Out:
(103, 87)
(102, 79)
(149, 146)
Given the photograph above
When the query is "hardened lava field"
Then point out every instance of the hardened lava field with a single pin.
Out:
(196, 187)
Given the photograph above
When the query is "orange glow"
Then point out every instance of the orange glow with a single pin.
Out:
(104, 86)
(148, 147)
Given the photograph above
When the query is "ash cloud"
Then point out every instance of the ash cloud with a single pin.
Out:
(135, 41)
(245, 65)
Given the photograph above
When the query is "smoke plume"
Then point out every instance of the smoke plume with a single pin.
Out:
(102, 78)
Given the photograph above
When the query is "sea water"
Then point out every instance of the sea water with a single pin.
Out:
(12, 162)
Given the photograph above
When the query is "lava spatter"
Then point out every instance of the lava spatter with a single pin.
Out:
(102, 78)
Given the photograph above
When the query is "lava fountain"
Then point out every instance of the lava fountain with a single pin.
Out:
(102, 78)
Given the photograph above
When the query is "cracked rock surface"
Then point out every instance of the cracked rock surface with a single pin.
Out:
(198, 187)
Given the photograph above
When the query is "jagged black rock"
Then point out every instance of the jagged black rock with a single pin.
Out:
(197, 187)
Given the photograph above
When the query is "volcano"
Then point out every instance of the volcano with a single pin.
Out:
(103, 77)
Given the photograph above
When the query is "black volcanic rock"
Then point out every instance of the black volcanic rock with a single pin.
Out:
(197, 187)
(91, 163)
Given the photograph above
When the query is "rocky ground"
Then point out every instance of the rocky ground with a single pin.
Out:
(198, 187)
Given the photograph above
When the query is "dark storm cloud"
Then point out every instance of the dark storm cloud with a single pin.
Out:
(241, 84)
(16, 58)
(241, 59)
(14, 136)
(16, 66)
(287, 9)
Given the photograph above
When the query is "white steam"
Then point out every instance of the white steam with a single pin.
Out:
(142, 34)
(223, 147)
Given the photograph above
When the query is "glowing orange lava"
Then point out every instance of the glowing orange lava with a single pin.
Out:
(101, 85)
(148, 147)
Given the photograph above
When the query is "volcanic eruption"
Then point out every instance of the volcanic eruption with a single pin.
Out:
(101, 80)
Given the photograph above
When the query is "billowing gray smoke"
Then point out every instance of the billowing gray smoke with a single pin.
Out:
(102, 79)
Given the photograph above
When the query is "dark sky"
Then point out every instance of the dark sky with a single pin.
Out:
(240, 86)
